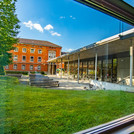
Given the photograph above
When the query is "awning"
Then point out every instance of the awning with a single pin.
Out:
(116, 8)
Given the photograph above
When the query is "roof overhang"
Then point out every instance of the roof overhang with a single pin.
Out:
(117, 44)
(116, 8)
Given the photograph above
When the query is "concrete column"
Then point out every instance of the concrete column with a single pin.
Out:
(96, 66)
(61, 69)
(68, 69)
(56, 69)
(52, 69)
(112, 72)
(78, 66)
(87, 68)
(82, 71)
(49, 68)
(102, 69)
(131, 65)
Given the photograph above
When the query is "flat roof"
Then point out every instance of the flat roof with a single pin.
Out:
(117, 37)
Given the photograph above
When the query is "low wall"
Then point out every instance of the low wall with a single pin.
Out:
(111, 86)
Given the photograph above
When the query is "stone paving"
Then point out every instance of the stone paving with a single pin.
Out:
(64, 83)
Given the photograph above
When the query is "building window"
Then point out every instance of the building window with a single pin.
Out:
(31, 58)
(51, 54)
(16, 49)
(23, 67)
(23, 58)
(32, 50)
(15, 66)
(24, 50)
(15, 57)
(7, 66)
(39, 59)
(39, 51)
(39, 67)
(31, 67)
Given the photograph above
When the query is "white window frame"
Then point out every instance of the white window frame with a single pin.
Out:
(16, 49)
(15, 58)
(39, 51)
(15, 66)
(31, 60)
(39, 67)
(7, 66)
(51, 54)
(23, 50)
(32, 49)
(23, 66)
(32, 67)
(22, 58)
(39, 60)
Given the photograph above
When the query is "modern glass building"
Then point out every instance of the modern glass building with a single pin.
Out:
(108, 60)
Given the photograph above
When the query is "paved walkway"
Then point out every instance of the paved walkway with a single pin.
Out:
(64, 83)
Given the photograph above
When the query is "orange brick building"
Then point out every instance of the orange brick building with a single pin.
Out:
(32, 55)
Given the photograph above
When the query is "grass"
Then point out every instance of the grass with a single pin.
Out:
(31, 110)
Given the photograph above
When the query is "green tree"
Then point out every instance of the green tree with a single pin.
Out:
(9, 26)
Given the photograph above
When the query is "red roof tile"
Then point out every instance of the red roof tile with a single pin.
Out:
(37, 42)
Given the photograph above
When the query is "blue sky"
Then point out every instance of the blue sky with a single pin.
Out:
(65, 22)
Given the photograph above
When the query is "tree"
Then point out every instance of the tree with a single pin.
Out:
(9, 26)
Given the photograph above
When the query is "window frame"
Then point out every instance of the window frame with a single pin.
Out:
(14, 66)
(24, 51)
(22, 67)
(7, 66)
(31, 49)
(39, 50)
(15, 49)
(30, 58)
(38, 67)
(40, 59)
(32, 67)
(15, 58)
(51, 54)
(22, 58)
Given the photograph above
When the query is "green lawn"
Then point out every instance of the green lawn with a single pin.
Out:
(31, 110)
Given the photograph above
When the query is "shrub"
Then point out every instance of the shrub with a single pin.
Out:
(17, 72)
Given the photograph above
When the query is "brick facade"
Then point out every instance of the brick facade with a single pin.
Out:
(32, 55)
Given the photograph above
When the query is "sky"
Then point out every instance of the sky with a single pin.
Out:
(65, 22)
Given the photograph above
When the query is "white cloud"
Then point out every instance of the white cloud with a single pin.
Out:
(55, 33)
(72, 17)
(69, 50)
(38, 27)
(62, 17)
(28, 24)
(48, 27)
(33, 25)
